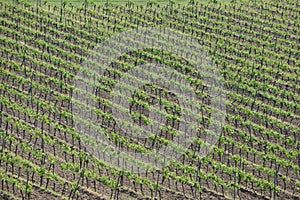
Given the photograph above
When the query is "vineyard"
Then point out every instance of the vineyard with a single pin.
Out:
(255, 47)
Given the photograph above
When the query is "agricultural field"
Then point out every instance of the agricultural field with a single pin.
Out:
(65, 115)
